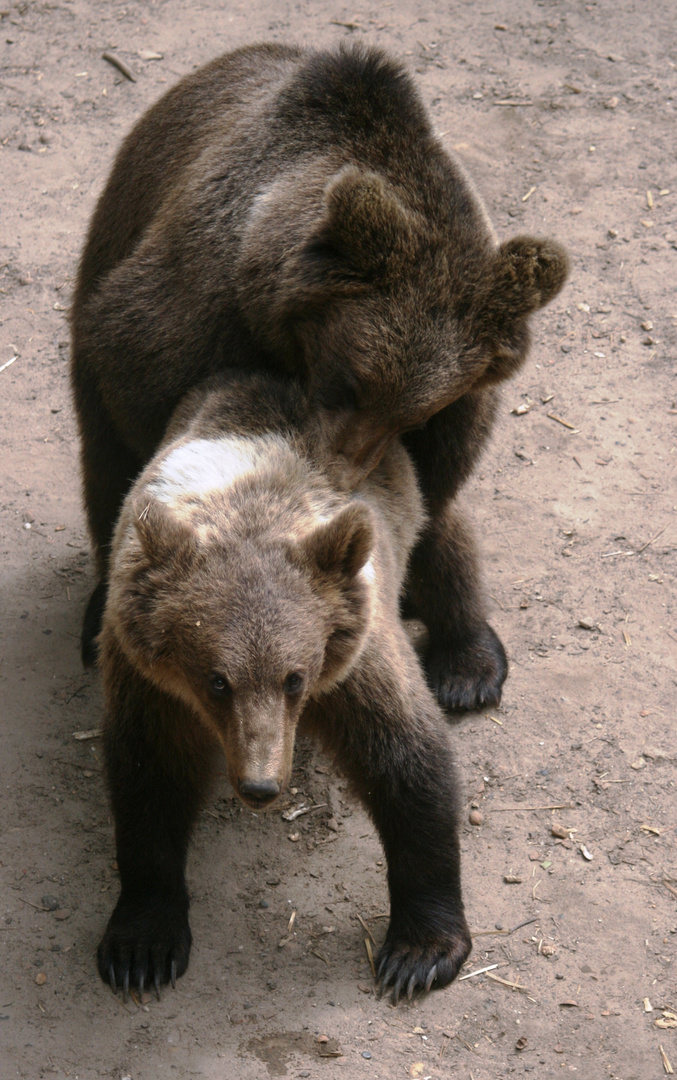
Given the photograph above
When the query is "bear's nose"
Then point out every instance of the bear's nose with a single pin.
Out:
(258, 792)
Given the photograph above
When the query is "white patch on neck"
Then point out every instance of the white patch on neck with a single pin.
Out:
(203, 466)
(368, 572)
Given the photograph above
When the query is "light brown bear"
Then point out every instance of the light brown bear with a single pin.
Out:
(250, 596)
(294, 211)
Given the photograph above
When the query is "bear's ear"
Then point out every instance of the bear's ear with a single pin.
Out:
(367, 231)
(163, 537)
(343, 545)
(528, 273)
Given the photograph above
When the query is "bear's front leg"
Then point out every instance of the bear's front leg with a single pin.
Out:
(390, 739)
(158, 762)
(465, 660)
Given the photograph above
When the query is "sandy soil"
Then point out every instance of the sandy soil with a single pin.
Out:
(565, 114)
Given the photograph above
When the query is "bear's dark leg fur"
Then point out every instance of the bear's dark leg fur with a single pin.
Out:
(159, 761)
(108, 471)
(387, 734)
(91, 624)
(465, 660)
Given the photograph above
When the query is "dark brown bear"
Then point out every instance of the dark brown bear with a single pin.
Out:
(248, 596)
(294, 211)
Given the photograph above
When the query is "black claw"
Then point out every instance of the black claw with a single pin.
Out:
(156, 980)
(173, 974)
(389, 974)
(432, 974)
(410, 986)
(125, 986)
(399, 985)
(111, 977)
(141, 985)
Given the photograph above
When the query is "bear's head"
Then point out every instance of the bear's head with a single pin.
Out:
(399, 300)
(244, 628)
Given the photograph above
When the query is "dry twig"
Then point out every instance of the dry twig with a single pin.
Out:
(120, 65)
(370, 956)
(504, 982)
(365, 927)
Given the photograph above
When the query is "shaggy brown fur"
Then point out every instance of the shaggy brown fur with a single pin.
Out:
(293, 210)
(250, 595)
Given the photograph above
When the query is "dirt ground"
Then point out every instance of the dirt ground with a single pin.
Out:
(565, 113)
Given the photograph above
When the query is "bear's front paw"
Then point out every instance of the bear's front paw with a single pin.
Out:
(146, 943)
(408, 967)
(468, 674)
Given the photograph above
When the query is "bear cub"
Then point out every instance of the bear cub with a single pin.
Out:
(293, 210)
(249, 597)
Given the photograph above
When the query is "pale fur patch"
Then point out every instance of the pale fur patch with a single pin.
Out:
(368, 572)
(202, 466)
(262, 200)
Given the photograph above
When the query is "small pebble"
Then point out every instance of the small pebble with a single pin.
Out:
(41, 978)
(264, 903)
(366, 1054)
(476, 817)
(50, 903)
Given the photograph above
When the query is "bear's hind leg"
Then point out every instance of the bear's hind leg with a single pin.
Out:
(108, 471)
(464, 660)
(158, 761)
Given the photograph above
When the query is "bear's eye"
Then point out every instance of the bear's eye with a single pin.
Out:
(219, 685)
(339, 394)
(293, 684)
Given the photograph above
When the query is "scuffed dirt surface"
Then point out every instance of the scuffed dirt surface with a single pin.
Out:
(577, 523)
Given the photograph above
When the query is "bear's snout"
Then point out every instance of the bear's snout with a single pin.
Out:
(258, 793)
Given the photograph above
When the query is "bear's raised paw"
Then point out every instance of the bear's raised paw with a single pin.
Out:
(407, 968)
(467, 675)
(146, 943)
